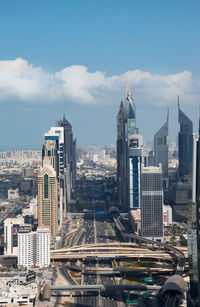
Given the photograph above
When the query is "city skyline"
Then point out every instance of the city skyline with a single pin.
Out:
(79, 66)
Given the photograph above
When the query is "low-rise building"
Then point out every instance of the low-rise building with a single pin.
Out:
(13, 194)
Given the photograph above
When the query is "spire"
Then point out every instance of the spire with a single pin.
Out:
(178, 102)
(199, 121)
(167, 116)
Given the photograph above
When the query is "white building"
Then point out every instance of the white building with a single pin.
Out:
(167, 215)
(42, 247)
(33, 247)
(13, 194)
(11, 227)
(26, 246)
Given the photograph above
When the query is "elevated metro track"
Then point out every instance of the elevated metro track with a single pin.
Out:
(180, 255)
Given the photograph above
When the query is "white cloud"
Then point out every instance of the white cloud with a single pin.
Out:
(22, 82)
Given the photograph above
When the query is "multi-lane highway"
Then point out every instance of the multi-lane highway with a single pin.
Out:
(95, 230)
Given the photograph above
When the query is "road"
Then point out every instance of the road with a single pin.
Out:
(96, 231)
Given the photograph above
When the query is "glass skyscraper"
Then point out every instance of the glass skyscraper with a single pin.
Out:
(129, 154)
(161, 148)
(184, 144)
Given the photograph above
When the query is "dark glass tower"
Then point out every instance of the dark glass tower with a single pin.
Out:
(129, 155)
(184, 143)
(69, 149)
(161, 148)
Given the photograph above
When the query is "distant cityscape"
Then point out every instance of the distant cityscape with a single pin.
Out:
(111, 226)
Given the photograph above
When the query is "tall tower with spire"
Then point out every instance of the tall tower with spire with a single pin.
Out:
(129, 154)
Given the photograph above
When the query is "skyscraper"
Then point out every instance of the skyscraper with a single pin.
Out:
(48, 199)
(194, 225)
(184, 143)
(53, 154)
(152, 203)
(135, 168)
(129, 154)
(69, 149)
(161, 148)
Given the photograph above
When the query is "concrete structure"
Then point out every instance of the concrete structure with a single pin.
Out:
(48, 199)
(184, 143)
(15, 292)
(11, 227)
(13, 194)
(152, 203)
(33, 247)
(129, 154)
(161, 148)
(42, 245)
(135, 220)
(26, 246)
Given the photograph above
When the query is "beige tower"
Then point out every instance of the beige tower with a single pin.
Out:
(48, 199)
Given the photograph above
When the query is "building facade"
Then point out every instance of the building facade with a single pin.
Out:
(135, 169)
(185, 138)
(48, 199)
(194, 225)
(11, 228)
(161, 148)
(34, 247)
(152, 203)
(129, 154)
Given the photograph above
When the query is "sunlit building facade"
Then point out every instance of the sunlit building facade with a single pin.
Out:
(48, 199)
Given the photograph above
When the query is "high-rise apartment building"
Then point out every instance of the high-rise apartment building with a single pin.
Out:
(152, 203)
(26, 246)
(129, 154)
(34, 247)
(42, 247)
(184, 143)
(48, 199)
(161, 148)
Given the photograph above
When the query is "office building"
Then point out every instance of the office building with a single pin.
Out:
(129, 154)
(11, 227)
(69, 150)
(56, 135)
(135, 168)
(161, 148)
(184, 144)
(48, 199)
(152, 203)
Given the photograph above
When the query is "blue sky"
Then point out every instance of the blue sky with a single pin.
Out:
(76, 57)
